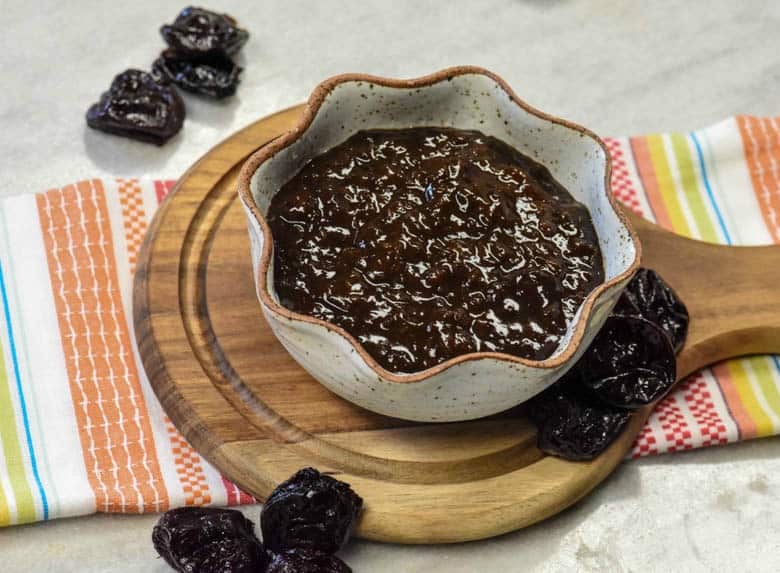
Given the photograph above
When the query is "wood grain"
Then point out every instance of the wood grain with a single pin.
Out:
(247, 407)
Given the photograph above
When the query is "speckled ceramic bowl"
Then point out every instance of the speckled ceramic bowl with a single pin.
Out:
(472, 385)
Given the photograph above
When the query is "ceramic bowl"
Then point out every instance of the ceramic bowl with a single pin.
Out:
(471, 385)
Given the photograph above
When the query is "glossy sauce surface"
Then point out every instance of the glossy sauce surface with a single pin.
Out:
(428, 243)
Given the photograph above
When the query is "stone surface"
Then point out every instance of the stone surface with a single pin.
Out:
(614, 68)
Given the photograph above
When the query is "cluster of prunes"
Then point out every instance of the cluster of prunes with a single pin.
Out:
(629, 364)
(304, 522)
(146, 106)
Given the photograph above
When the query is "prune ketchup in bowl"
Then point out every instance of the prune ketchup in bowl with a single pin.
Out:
(434, 249)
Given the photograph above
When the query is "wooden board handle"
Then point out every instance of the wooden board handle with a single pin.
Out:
(732, 294)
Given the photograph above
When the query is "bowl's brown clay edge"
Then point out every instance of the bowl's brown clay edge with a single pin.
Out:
(309, 113)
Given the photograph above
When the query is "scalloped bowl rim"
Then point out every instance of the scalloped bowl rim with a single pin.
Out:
(270, 149)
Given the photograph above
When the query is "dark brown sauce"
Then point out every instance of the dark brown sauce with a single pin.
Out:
(428, 243)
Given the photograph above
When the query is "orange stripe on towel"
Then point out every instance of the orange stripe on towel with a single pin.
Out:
(114, 429)
(761, 142)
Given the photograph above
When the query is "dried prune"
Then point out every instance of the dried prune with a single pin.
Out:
(309, 510)
(138, 106)
(572, 424)
(199, 31)
(208, 539)
(629, 364)
(215, 75)
(650, 297)
(306, 561)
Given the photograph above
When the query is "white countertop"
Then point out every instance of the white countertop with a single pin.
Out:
(618, 70)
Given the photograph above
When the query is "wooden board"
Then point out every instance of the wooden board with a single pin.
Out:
(249, 409)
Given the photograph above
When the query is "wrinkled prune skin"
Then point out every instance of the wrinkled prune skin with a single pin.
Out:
(197, 31)
(572, 424)
(649, 297)
(629, 364)
(215, 76)
(309, 511)
(206, 539)
(306, 561)
(227, 556)
(138, 106)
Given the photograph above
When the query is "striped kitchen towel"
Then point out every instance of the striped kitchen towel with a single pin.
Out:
(722, 185)
(81, 431)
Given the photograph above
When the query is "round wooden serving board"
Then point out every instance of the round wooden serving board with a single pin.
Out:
(249, 409)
